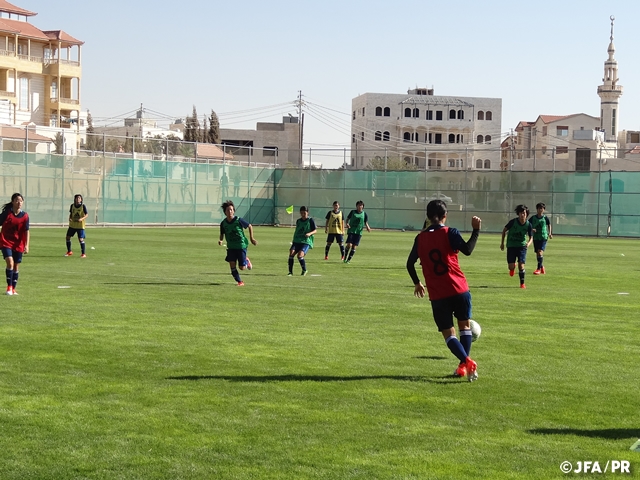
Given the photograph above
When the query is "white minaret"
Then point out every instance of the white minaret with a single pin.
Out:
(609, 93)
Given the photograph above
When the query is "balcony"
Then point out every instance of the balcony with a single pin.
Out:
(5, 94)
(62, 100)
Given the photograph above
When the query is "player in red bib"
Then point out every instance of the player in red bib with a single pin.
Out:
(437, 247)
(14, 238)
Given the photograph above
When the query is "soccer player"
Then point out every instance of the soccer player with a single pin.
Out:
(77, 216)
(541, 227)
(14, 238)
(302, 240)
(232, 227)
(517, 243)
(357, 220)
(334, 228)
(437, 247)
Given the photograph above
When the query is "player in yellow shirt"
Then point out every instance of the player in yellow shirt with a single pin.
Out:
(77, 216)
(334, 228)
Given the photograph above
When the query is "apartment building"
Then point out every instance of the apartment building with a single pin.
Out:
(426, 130)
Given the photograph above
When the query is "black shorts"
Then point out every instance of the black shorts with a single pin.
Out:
(446, 308)
(334, 236)
(353, 239)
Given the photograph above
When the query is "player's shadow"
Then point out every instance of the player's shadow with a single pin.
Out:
(432, 357)
(316, 378)
(184, 284)
(609, 433)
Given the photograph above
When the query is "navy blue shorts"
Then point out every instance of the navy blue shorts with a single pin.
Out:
(7, 252)
(72, 231)
(539, 245)
(334, 236)
(445, 309)
(299, 247)
(353, 239)
(516, 253)
(238, 255)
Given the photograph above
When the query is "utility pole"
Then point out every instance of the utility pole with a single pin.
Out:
(300, 125)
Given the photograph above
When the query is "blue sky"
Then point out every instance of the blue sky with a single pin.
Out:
(248, 60)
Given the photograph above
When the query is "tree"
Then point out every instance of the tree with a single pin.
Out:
(58, 142)
(91, 137)
(204, 132)
(213, 135)
(393, 163)
(191, 127)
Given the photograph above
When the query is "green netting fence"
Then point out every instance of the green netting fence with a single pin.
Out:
(146, 192)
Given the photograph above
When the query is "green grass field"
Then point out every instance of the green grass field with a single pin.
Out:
(153, 364)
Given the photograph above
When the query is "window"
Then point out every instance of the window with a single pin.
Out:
(487, 139)
(354, 117)
(54, 90)
(438, 138)
(385, 137)
(451, 163)
(634, 138)
(487, 164)
(562, 150)
(353, 138)
(544, 150)
(452, 114)
(408, 160)
(452, 138)
(435, 164)
(266, 152)
(428, 138)
(24, 94)
(479, 139)
(480, 115)
(438, 114)
(417, 138)
(406, 137)
(583, 160)
(387, 112)
(429, 115)
(488, 116)
(459, 138)
(378, 111)
(562, 131)
(478, 163)
(378, 136)
(416, 113)
(613, 122)
(407, 112)
(363, 111)
(362, 136)
(544, 131)
(460, 114)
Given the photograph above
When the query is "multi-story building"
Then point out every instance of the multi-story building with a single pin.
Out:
(40, 73)
(579, 142)
(426, 130)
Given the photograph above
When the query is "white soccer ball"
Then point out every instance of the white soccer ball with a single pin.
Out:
(476, 330)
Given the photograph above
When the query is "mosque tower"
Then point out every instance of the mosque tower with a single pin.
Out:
(609, 93)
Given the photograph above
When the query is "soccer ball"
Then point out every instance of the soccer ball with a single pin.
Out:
(476, 330)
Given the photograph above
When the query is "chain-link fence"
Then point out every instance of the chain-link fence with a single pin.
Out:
(126, 191)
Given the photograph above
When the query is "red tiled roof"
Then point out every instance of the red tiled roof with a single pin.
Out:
(62, 36)
(8, 7)
(552, 118)
(15, 133)
(22, 28)
(635, 150)
(523, 124)
(208, 150)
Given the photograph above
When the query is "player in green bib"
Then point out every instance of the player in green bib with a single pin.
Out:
(302, 240)
(541, 233)
(519, 229)
(232, 228)
(77, 217)
(357, 221)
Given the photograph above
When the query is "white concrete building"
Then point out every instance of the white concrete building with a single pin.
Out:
(426, 130)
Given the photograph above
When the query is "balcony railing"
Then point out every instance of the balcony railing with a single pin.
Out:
(32, 58)
(4, 93)
(62, 61)
(70, 101)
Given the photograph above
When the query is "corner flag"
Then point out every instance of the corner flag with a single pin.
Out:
(290, 210)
